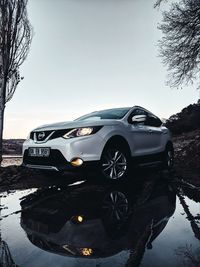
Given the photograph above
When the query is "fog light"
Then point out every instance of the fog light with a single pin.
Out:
(77, 162)
(80, 219)
(77, 219)
(86, 251)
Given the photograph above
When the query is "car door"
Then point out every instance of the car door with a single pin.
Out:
(155, 134)
(139, 134)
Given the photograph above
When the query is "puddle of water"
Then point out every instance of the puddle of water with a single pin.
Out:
(146, 225)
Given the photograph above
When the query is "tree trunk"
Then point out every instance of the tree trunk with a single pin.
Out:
(2, 108)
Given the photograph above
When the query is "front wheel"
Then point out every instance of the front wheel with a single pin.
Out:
(115, 162)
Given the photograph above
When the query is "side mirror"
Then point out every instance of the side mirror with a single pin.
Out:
(138, 118)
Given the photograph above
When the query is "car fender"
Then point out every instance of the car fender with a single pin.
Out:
(110, 132)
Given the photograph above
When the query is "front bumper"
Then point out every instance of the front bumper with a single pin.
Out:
(55, 162)
(62, 151)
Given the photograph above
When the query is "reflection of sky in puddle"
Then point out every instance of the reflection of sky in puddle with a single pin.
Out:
(177, 233)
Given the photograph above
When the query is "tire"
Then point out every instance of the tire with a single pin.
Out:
(115, 162)
(169, 158)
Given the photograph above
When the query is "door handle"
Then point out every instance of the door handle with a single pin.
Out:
(150, 131)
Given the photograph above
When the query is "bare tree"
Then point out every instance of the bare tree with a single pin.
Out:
(15, 40)
(159, 2)
(180, 45)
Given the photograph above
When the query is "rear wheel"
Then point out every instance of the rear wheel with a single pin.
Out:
(169, 157)
(115, 162)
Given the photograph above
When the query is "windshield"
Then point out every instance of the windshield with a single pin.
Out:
(114, 114)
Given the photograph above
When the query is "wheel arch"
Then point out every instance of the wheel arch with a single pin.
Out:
(118, 139)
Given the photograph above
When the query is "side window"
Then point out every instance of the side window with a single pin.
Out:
(137, 111)
(153, 121)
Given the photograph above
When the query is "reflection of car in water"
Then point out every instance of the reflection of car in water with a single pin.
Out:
(96, 221)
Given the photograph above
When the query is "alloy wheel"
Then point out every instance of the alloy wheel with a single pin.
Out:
(114, 164)
(115, 206)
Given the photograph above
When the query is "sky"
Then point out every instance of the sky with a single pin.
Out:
(88, 55)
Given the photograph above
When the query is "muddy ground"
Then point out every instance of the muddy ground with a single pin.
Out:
(187, 156)
(17, 177)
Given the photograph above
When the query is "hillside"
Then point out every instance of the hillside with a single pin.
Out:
(185, 129)
(12, 146)
(185, 121)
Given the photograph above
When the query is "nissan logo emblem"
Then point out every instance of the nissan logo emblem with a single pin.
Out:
(41, 135)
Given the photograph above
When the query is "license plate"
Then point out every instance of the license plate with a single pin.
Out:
(39, 151)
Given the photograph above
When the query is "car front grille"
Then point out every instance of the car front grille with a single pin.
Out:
(40, 136)
(43, 136)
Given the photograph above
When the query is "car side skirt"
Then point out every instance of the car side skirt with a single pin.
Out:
(147, 160)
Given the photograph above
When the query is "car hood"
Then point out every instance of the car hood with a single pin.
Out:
(76, 124)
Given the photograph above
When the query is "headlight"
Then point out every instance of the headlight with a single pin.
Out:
(77, 132)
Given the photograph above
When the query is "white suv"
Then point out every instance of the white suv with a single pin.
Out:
(109, 139)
